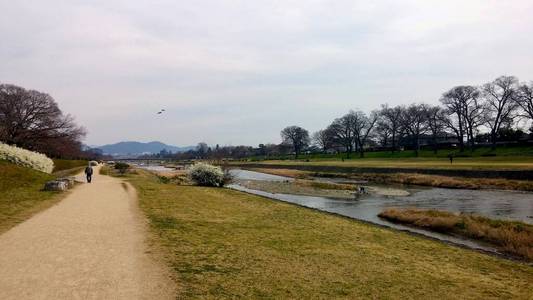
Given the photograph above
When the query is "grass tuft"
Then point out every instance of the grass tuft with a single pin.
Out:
(513, 237)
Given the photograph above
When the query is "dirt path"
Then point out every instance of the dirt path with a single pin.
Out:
(89, 246)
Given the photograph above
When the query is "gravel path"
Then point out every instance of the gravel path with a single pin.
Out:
(91, 245)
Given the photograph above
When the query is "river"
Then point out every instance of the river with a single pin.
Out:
(510, 205)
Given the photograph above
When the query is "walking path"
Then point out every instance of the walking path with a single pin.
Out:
(89, 246)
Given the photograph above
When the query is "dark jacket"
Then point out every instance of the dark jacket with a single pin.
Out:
(89, 171)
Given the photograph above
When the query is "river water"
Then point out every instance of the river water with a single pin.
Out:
(511, 205)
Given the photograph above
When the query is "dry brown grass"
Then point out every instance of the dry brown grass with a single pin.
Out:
(513, 237)
(325, 185)
(283, 172)
(223, 244)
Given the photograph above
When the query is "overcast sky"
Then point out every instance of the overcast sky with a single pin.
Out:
(237, 72)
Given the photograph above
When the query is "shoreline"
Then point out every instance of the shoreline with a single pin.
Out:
(489, 250)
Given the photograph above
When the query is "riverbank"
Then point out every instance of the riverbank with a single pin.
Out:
(512, 237)
(224, 243)
(403, 178)
(318, 188)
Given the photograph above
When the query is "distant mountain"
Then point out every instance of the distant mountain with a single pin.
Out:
(138, 148)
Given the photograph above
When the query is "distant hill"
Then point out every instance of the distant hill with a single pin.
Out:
(138, 148)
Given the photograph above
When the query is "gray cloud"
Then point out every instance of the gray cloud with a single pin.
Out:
(236, 72)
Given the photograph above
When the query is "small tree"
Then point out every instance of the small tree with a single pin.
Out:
(122, 167)
(297, 137)
(207, 175)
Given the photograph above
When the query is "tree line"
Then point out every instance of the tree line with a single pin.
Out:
(32, 120)
(467, 116)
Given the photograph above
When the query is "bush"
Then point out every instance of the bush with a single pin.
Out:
(122, 167)
(206, 175)
(93, 163)
(26, 158)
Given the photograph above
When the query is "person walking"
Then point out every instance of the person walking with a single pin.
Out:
(89, 173)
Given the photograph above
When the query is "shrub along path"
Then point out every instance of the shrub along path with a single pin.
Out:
(90, 245)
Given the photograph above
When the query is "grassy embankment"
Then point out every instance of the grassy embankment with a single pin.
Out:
(459, 163)
(480, 152)
(67, 167)
(515, 238)
(410, 179)
(226, 244)
(21, 194)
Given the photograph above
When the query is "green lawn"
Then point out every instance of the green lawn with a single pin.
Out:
(461, 163)
(21, 194)
(226, 244)
(443, 153)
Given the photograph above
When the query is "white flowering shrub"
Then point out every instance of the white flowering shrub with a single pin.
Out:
(206, 175)
(26, 158)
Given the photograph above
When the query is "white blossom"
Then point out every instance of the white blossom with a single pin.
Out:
(26, 158)
(206, 175)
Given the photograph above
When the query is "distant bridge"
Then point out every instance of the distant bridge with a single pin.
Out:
(151, 160)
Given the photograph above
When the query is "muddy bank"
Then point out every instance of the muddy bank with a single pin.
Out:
(301, 187)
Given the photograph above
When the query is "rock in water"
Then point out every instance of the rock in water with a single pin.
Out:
(56, 185)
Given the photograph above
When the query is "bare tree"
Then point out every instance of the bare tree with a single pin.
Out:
(525, 99)
(474, 116)
(323, 139)
(500, 99)
(342, 133)
(455, 102)
(390, 120)
(33, 120)
(414, 122)
(297, 137)
(383, 132)
(436, 123)
(362, 128)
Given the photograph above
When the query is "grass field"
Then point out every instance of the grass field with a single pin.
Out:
(226, 244)
(443, 153)
(21, 194)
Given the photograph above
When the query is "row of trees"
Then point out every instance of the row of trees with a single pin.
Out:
(464, 114)
(32, 120)
(466, 117)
